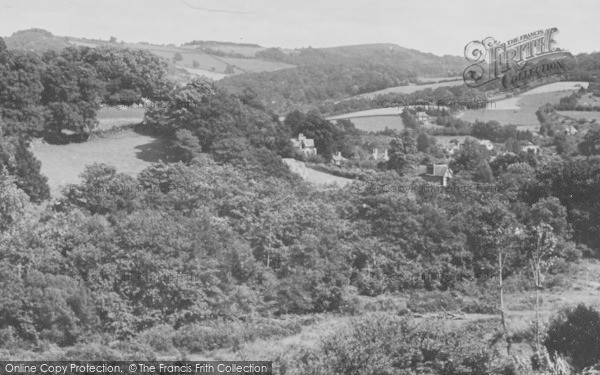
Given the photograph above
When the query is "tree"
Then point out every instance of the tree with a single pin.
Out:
(424, 142)
(540, 261)
(468, 157)
(229, 69)
(103, 190)
(591, 142)
(575, 333)
(177, 57)
(483, 173)
(494, 241)
(397, 157)
(12, 201)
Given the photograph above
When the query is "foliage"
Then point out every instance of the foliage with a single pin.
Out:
(575, 333)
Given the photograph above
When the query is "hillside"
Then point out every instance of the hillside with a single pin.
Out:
(35, 40)
(214, 60)
(332, 74)
(423, 64)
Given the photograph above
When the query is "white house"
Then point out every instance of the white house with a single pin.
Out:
(304, 145)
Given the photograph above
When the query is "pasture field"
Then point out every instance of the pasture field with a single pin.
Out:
(378, 123)
(438, 79)
(520, 117)
(205, 61)
(247, 51)
(557, 86)
(409, 89)
(206, 73)
(255, 65)
(589, 99)
(389, 111)
(520, 110)
(315, 177)
(112, 117)
(588, 115)
(129, 152)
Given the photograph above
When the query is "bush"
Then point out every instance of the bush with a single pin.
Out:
(160, 338)
(384, 344)
(575, 333)
(198, 338)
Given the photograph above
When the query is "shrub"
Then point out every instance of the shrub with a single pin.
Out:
(575, 333)
(160, 338)
(384, 344)
(197, 338)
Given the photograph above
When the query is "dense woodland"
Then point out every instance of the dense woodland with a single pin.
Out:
(337, 73)
(227, 236)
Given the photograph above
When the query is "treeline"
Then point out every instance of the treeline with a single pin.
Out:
(56, 94)
(571, 102)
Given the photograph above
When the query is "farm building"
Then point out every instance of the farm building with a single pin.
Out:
(437, 173)
(304, 145)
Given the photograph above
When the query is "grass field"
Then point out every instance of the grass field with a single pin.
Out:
(589, 99)
(437, 79)
(206, 73)
(112, 117)
(248, 51)
(129, 152)
(591, 115)
(377, 123)
(520, 110)
(369, 113)
(557, 86)
(204, 61)
(315, 177)
(254, 65)
(409, 89)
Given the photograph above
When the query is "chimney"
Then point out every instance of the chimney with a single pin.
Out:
(375, 153)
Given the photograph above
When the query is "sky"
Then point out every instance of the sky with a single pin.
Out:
(438, 27)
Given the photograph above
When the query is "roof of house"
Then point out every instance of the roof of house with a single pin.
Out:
(438, 170)
(301, 140)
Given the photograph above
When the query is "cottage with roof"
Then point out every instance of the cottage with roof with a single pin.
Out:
(304, 145)
(380, 157)
(337, 158)
(486, 143)
(438, 173)
(530, 147)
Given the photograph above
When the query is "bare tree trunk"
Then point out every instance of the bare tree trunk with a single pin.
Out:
(502, 313)
(537, 311)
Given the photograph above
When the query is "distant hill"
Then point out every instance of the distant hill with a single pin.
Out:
(210, 59)
(332, 74)
(421, 63)
(35, 40)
